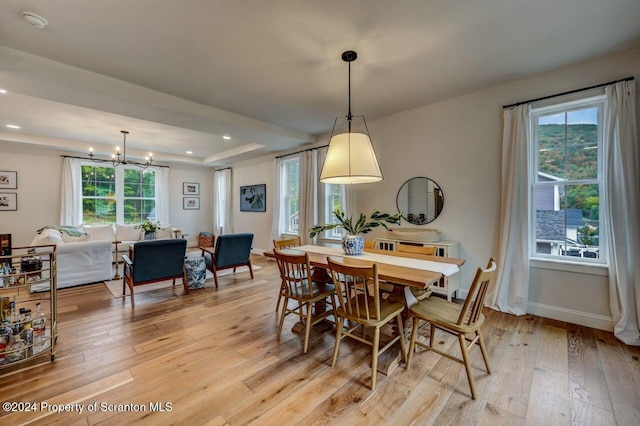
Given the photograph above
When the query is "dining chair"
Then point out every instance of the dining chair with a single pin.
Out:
(369, 244)
(361, 304)
(295, 271)
(456, 319)
(280, 244)
(418, 293)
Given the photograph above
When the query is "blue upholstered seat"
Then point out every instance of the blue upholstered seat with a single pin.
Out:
(230, 251)
(154, 261)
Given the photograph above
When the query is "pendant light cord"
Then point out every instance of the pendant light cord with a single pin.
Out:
(349, 115)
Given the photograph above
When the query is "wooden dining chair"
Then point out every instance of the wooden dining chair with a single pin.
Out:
(295, 271)
(455, 319)
(418, 293)
(362, 306)
(282, 244)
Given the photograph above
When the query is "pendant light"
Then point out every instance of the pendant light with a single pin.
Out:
(350, 157)
(116, 160)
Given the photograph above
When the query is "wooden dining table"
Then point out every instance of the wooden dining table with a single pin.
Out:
(404, 270)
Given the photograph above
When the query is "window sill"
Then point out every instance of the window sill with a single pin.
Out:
(565, 266)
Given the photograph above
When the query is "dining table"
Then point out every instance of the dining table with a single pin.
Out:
(403, 270)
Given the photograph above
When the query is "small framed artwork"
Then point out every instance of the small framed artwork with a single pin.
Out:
(191, 203)
(8, 201)
(253, 198)
(8, 180)
(190, 188)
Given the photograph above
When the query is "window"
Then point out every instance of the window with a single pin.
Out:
(333, 201)
(329, 198)
(117, 194)
(567, 186)
(290, 193)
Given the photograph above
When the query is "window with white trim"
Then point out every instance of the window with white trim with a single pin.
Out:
(567, 188)
(290, 193)
(123, 195)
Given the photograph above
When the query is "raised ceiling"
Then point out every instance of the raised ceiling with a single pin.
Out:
(179, 75)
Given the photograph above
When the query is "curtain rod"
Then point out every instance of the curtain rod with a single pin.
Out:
(99, 160)
(300, 152)
(219, 170)
(568, 93)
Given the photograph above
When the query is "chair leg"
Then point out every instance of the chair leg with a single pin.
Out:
(403, 344)
(307, 328)
(374, 357)
(279, 299)
(185, 281)
(215, 274)
(431, 334)
(412, 342)
(250, 269)
(337, 343)
(483, 349)
(133, 302)
(282, 315)
(467, 364)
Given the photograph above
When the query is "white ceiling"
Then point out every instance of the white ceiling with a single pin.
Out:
(180, 74)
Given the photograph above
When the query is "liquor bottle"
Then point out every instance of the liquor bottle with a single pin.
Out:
(39, 325)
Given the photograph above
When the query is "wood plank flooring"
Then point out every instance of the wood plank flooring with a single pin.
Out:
(211, 357)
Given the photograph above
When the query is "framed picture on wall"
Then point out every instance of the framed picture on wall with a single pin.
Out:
(191, 203)
(8, 180)
(190, 188)
(8, 201)
(253, 198)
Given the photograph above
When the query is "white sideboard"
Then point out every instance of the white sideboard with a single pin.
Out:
(447, 285)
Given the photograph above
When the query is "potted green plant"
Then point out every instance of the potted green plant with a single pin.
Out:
(353, 243)
(149, 228)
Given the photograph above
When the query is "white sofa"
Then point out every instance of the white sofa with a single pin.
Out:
(89, 258)
(79, 260)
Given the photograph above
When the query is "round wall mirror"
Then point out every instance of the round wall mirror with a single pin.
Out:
(420, 200)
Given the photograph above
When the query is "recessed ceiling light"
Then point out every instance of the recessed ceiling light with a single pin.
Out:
(225, 137)
(13, 126)
(34, 19)
(188, 152)
(3, 91)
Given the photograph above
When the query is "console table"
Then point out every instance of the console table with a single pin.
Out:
(446, 285)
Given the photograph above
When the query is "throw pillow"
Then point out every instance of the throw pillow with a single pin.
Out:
(164, 232)
(103, 232)
(127, 233)
(47, 237)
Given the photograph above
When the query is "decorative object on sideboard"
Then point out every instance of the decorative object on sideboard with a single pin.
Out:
(190, 203)
(190, 188)
(8, 201)
(253, 198)
(353, 243)
(350, 157)
(421, 199)
(115, 158)
(8, 180)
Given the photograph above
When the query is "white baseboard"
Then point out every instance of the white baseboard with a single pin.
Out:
(586, 319)
(257, 251)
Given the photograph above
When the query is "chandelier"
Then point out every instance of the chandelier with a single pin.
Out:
(350, 157)
(121, 158)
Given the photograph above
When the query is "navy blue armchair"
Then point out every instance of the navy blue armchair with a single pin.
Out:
(154, 261)
(230, 251)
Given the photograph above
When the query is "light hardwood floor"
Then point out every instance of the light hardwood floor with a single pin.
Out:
(212, 355)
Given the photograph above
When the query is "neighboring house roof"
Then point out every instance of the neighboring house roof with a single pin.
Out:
(546, 177)
(550, 224)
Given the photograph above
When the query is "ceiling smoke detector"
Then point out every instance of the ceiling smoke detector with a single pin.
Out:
(34, 19)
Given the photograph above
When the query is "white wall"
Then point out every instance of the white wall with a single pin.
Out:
(39, 173)
(457, 143)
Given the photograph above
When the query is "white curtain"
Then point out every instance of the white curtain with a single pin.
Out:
(222, 206)
(511, 290)
(71, 192)
(622, 169)
(308, 201)
(277, 224)
(162, 195)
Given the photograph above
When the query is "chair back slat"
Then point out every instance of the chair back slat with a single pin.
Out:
(474, 302)
(295, 271)
(358, 289)
(407, 248)
(287, 243)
